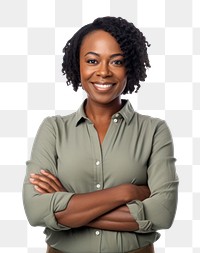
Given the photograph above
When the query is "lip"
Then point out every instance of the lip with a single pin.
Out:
(103, 86)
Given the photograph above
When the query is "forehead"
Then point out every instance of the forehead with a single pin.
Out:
(101, 42)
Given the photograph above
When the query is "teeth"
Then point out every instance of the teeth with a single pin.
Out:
(103, 86)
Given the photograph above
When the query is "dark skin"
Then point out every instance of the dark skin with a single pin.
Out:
(109, 212)
(103, 77)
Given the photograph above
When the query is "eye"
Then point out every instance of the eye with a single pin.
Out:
(118, 62)
(92, 61)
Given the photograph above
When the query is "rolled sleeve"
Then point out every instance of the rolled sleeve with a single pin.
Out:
(40, 208)
(158, 211)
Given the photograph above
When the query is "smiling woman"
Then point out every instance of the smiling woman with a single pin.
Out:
(102, 74)
(103, 77)
(132, 44)
(102, 179)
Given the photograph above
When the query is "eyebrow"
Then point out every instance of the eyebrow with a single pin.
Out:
(112, 56)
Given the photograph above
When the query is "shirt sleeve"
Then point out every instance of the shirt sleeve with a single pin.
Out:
(158, 211)
(40, 208)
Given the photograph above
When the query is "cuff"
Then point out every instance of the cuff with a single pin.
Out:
(136, 209)
(58, 203)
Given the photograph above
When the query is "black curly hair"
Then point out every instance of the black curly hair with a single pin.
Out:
(132, 43)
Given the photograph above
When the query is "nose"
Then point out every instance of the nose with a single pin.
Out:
(103, 70)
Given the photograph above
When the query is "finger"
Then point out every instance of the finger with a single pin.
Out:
(40, 190)
(43, 185)
(52, 177)
(45, 179)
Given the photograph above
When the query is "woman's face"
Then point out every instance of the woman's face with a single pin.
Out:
(102, 70)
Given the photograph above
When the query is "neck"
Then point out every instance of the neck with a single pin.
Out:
(96, 111)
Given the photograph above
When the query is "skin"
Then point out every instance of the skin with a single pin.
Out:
(102, 61)
(109, 212)
(103, 77)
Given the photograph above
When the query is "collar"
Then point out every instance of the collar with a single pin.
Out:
(126, 113)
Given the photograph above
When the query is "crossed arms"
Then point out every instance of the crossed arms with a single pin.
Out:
(103, 209)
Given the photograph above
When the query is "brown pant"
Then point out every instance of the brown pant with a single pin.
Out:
(52, 250)
(147, 249)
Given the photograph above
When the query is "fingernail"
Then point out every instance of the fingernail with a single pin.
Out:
(43, 171)
(31, 179)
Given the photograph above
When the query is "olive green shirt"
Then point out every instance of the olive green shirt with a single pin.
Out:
(137, 149)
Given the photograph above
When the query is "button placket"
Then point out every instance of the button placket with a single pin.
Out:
(98, 186)
(97, 153)
(116, 118)
(97, 163)
(97, 232)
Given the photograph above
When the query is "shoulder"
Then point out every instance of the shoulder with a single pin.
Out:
(148, 121)
(155, 127)
(152, 126)
(58, 121)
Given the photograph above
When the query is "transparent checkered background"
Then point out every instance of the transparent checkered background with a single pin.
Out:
(32, 35)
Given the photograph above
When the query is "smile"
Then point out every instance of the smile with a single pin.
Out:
(103, 86)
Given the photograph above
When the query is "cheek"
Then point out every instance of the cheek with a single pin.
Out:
(123, 83)
(122, 75)
(85, 72)
(123, 79)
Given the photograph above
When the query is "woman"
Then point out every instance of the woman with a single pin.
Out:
(103, 178)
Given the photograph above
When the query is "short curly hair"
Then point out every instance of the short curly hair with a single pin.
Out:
(132, 43)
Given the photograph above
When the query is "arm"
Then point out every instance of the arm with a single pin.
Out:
(119, 219)
(40, 208)
(84, 208)
(158, 211)
(86, 211)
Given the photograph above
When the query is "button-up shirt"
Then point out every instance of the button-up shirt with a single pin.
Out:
(137, 149)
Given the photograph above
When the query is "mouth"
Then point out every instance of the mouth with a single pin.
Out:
(103, 86)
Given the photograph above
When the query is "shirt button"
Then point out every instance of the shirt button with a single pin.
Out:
(98, 186)
(97, 232)
(115, 120)
(117, 115)
(97, 163)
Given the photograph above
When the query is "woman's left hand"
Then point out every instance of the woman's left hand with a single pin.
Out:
(46, 182)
